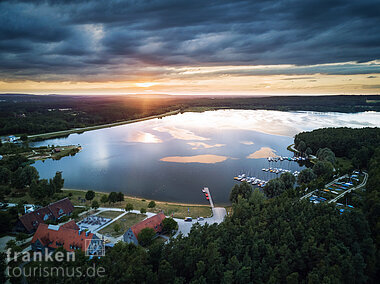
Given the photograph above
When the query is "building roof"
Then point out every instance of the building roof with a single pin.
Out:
(57, 209)
(68, 238)
(71, 225)
(64, 204)
(153, 222)
(32, 219)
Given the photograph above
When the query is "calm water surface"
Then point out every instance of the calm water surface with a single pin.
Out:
(173, 158)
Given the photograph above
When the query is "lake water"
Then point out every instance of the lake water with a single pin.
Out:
(173, 158)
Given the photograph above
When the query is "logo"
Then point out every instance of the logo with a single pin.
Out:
(95, 247)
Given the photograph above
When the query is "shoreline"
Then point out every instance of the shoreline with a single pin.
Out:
(140, 198)
(57, 134)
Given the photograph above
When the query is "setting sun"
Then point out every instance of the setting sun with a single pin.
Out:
(145, 84)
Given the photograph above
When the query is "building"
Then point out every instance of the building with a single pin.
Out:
(54, 211)
(67, 236)
(155, 223)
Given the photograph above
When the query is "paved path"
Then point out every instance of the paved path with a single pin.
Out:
(327, 185)
(95, 127)
(308, 195)
(218, 214)
(351, 189)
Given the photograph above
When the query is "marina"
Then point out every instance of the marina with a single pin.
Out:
(261, 182)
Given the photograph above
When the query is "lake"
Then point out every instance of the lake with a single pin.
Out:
(173, 158)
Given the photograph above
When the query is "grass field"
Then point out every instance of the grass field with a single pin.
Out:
(109, 214)
(177, 209)
(125, 222)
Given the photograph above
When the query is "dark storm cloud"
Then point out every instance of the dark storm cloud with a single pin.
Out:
(93, 38)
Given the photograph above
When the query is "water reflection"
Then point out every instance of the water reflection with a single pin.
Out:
(182, 134)
(272, 122)
(155, 159)
(247, 143)
(263, 153)
(201, 145)
(144, 137)
(203, 159)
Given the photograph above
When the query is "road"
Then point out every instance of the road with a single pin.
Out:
(351, 189)
(218, 214)
(76, 130)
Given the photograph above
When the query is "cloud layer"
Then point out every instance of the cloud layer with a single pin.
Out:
(128, 40)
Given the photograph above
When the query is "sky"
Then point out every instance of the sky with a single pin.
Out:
(190, 47)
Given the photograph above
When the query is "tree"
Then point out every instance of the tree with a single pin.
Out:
(5, 175)
(57, 182)
(29, 174)
(243, 189)
(95, 204)
(128, 207)
(142, 210)
(274, 187)
(325, 154)
(308, 151)
(24, 137)
(165, 272)
(35, 191)
(23, 177)
(120, 196)
(288, 179)
(90, 195)
(306, 176)
(113, 197)
(3, 267)
(323, 169)
(104, 199)
(169, 225)
(145, 237)
(301, 146)
(152, 204)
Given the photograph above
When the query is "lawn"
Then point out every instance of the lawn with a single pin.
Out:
(178, 210)
(109, 214)
(77, 196)
(125, 222)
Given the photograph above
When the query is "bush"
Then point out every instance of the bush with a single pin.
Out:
(142, 210)
(128, 207)
(90, 195)
(152, 204)
(169, 225)
(95, 204)
(146, 236)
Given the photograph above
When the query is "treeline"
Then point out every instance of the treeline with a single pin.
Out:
(357, 145)
(31, 114)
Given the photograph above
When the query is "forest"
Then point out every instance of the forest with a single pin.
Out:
(36, 114)
(357, 145)
(266, 239)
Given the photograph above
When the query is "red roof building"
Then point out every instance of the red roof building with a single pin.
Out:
(154, 222)
(54, 211)
(51, 237)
